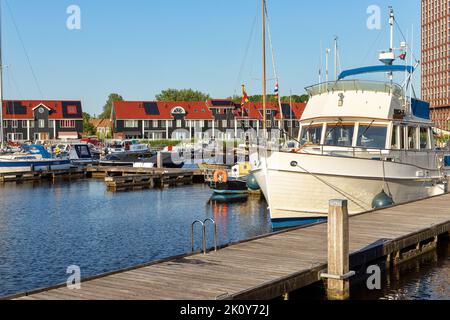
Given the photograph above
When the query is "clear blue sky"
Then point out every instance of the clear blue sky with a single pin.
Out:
(139, 47)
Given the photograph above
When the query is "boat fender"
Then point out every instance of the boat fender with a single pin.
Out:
(382, 200)
(220, 176)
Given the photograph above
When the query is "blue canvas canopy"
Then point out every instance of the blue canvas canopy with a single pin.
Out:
(373, 69)
(37, 149)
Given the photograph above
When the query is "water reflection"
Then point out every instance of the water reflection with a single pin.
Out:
(46, 227)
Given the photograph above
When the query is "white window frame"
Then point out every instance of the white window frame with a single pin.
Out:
(66, 124)
(131, 124)
(41, 123)
(14, 124)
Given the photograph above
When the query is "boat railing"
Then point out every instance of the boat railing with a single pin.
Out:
(355, 85)
(425, 157)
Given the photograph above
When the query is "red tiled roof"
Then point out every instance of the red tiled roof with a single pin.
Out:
(135, 110)
(23, 109)
(100, 123)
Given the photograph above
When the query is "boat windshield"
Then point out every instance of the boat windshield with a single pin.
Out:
(311, 134)
(372, 137)
(339, 135)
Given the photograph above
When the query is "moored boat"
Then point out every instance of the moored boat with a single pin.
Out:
(32, 158)
(364, 141)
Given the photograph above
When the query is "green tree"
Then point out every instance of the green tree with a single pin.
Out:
(272, 98)
(113, 97)
(88, 128)
(181, 95)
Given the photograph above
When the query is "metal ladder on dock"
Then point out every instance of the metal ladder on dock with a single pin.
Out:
(203, 224)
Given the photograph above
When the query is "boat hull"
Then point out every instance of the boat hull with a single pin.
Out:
(296, 193)
(11, 166)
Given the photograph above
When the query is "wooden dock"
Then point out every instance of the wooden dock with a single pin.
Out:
(126, 178)
(52, 175)
(271, 266)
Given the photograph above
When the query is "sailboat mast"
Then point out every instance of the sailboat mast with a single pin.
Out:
(335, 57)
(1, 83)
(264, 82)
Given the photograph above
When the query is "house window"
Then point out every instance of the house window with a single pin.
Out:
(146, 124)
(24, 123)
(224, 123)
(14, 124)
(5, 123)
(51, 123)
(268, 123)
(155, 124)
(169, 123)
(32, 124)
(247, 124)
(179, 123)
(201, 124)
(210, 124)
(41, 123)
(72, 110)
(131, 124)
(67, 123)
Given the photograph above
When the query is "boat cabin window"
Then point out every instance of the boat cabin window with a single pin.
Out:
(372, 137)
(396, 136)
(424, 139)
(412, 138)
(311, 134)
(402, 138)
(339, 135)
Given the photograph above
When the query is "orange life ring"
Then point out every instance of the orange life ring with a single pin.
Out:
(220, 176)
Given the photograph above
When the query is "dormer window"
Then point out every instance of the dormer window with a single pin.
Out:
(178, 111)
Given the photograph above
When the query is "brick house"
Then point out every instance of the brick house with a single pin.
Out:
(31, 120)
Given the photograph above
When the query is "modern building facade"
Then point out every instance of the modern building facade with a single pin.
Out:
(42, 120)
(222, 119)
(436, 59)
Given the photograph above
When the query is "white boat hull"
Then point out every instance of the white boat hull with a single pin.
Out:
(9, 166)
(304, 191)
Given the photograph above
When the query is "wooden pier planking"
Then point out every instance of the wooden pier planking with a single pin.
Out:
(52, 175)
(269, 266)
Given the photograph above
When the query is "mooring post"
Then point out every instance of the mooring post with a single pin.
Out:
(159, 162)
(338, 251)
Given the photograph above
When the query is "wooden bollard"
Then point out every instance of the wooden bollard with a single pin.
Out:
(338, 252)
(159, 160)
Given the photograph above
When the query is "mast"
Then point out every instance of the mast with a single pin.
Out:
(1, 84)
(391, 43)
(326, 64)
(391, 24)
(264, 88)
(335, 57)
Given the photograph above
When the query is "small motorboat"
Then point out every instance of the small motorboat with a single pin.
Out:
(128, 159)
(228, 198)
(32, 158)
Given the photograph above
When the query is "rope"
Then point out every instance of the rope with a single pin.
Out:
(343, 193)
(25, 50)
(274, 66)
(249, 42)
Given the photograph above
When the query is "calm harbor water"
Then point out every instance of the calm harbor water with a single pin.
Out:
(45, 227)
